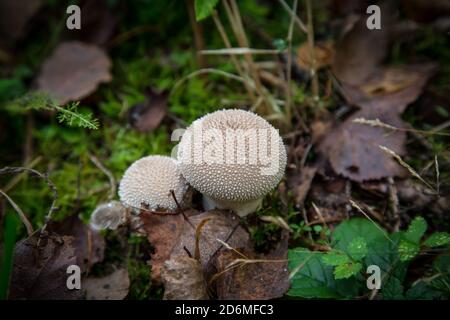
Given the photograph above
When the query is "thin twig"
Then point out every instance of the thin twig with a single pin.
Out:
(50, 184)
(19, 211)
(313, 71)
(14, 181)
(239, 51)
(357, 207)
(289, 65)
(112, 180)
(298, 21)
(234, 60)
(405, 165)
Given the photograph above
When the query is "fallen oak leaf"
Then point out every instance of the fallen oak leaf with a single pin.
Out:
(163, 232)
(89, 245)
(183, 279)
(352, 148)
(73, 71)
(222, 225)
(39, 272)
(243, 275)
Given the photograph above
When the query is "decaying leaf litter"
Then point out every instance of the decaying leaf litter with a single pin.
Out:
(360, 168)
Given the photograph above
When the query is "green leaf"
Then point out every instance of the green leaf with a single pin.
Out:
(422, 291)
(392, 289)
(346, 270)
(348, 230)
(381, 250)
(335, 258)
(407, 250)
(357, 248)
(204, 8)
(311, 278)
(416, 230)
(437, 239)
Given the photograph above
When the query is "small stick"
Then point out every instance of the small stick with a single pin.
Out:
(19, 211)
(112, 180)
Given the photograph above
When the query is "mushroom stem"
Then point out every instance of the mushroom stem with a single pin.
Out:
(240, 208)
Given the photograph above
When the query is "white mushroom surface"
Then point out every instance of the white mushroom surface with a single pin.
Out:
(149, 181)
(232, 173)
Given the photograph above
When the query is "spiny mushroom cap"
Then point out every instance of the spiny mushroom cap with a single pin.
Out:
(149, 181)
(229, 180)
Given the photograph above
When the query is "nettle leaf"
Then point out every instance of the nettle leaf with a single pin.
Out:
(392, 289)
(335, 258)
(437, 239)
(204, 8)
(311, 278)
(346, 270)
(348, 230)
(416, 230)
(357, 248)
(408, 250)
(382, 250)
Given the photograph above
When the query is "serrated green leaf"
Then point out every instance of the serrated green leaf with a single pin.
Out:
(348, 230)
(203, 8)
(357, 248)
(407, 250)
(392, 289)
(335, 258)
(346, 270)
(416, 230)
(311, 278)
(438, 239)
(380, 251)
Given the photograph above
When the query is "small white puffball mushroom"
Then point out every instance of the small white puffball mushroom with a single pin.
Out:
(149, 181)
(108, 216)
(234, 158)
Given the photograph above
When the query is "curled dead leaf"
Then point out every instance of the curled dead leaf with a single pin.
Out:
(255, 277)
(89, 245)
(163, 232)
(39, 272)
(222, 225)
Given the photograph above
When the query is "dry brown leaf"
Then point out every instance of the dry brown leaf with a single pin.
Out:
(222, 225)
(324, 54)
(163, 232)
(391, 89)
(14, 16)
(40, 272)
(183, 279)
(352, 148)
(360, 52)
(74, 71)
(114, 286)
(147, 116)
(353, 152)
(89, 244)
(267, 277)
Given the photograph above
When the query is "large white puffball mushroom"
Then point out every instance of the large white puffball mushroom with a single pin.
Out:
(234, 158)
(149, 181)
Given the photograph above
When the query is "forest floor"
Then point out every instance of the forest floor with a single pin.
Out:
(364, 114)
